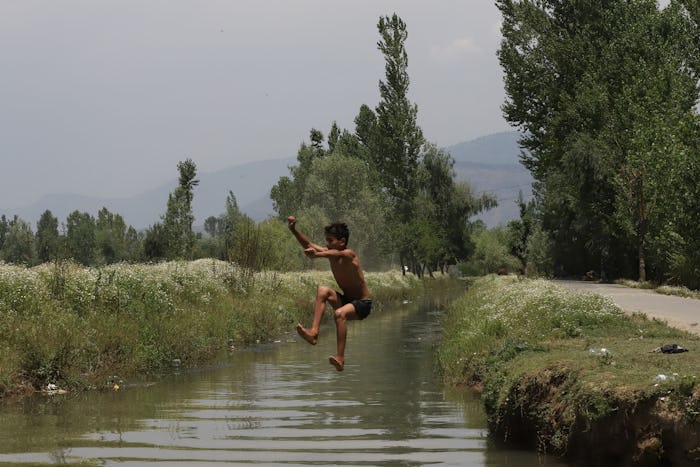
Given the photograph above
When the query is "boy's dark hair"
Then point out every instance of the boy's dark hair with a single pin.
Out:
(338, 230)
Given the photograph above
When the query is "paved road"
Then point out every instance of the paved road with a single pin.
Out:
(677, 311)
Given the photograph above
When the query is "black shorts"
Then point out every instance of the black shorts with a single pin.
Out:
(362, 307)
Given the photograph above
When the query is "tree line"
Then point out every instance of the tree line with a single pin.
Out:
(106, 238)
(397, 192)
(606, 94)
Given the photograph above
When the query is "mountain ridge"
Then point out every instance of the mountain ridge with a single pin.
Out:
(489, 163)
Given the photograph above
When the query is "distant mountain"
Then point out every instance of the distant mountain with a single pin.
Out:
(496, 149)
(250, 183)
(490, 164)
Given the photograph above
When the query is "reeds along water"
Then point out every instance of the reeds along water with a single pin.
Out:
(73, 325)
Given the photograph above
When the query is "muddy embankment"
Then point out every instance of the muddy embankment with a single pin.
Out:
(604, 429)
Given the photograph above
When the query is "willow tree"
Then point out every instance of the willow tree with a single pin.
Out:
(112, 237)
(19, 246)
(80, 237)
(287, 194)
(443, 209)
(604, 92)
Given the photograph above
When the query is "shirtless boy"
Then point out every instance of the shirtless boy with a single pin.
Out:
(353, 303)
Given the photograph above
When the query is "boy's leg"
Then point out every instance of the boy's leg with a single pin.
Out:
(323, 295)
(342, 315)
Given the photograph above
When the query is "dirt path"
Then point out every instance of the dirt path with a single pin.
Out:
(680, 312)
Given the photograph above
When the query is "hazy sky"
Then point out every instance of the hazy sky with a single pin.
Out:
(103, 98)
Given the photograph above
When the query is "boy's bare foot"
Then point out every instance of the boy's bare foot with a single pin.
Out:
(307, 335)
(338, 363)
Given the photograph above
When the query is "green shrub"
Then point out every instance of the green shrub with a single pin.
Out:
(74, 326)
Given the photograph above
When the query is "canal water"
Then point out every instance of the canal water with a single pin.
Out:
(275, 404)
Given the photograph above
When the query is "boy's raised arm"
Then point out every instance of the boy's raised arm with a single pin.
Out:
(301, 238)
(329, 253)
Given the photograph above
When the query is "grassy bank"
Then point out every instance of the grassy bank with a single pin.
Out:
(571, 374)
(76, 327)
(677, 291)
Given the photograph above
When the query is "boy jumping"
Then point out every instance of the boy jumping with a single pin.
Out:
(353, 303)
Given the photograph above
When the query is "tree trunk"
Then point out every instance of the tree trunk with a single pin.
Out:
(642, 261)
(642, 231)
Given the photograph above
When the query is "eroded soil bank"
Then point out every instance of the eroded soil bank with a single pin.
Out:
(604, 429)
(571, 374)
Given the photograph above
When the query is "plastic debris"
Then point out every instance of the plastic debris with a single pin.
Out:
(670, 348)
(662, 378)
(51, 389)
(115, 383)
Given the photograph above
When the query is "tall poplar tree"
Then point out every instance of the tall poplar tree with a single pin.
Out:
(4, 226)
(399, 139)
(47, 239)
(179, 217)
(378, 177)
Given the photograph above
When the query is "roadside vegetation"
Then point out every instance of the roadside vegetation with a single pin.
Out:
(561, 369)
(77, 327)
(677, 291)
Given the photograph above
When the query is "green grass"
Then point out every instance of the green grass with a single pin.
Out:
(535, 350)
(77, 327)
(677, 291)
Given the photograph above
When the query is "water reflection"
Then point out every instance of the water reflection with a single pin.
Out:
(279, 404)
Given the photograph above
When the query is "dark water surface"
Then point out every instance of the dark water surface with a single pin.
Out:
(277, 404)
